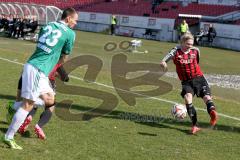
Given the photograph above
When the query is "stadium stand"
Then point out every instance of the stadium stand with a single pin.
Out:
(237, 22)
(164, 10)
(59, 3)
(142, 7)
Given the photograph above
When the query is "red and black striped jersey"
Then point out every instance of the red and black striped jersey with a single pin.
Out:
(53, 73)
(59, 71)
(187, 64)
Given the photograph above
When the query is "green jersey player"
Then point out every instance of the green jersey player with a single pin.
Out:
(56, 40)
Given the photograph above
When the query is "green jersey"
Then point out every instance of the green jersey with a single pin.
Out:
(54, 39)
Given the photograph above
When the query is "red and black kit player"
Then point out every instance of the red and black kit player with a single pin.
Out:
(186, 59)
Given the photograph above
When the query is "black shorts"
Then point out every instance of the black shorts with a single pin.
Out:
(53, 84)
(198, 86)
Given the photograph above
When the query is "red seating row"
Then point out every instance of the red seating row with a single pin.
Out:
(126, 7)
(58, 3)
(164, 10)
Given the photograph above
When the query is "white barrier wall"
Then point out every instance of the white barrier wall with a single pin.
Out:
(128, 25)
(94, 17)
(219, 2)
(228, 36)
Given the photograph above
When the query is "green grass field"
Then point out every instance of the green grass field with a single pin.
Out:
(123, 133)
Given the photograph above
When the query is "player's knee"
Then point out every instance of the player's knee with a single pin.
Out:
(27, 104)
(48, 99)
(188, 97)
(49, 102)
(207, 98)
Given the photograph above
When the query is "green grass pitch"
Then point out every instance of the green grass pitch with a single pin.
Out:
(113, 136)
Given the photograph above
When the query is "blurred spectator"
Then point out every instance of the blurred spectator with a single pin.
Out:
(17, 27)
(154, 4)
(113, 24)
(198, 37)
(22, 28)
(183, 28)
(211, 33)
(11, 22)
(1, 24)
(32, 25)
(5, 22)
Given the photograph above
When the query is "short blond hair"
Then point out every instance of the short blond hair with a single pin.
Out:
(186, 37)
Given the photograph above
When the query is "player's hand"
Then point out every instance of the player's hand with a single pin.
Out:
(164, 65)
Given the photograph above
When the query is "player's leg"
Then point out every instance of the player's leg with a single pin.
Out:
(205, 94)
(44, 100)
(23, 128)
(187, 94)
(17, 120)
(13, 106)
(46, 115)
(50, 105)
(38, 103)
(44, 119)
(30, 83)
(211, 109)
(48, 95)
(49, 108)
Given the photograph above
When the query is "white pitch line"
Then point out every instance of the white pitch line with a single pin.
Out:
(8, 60)
(111, 87)
(107, 86)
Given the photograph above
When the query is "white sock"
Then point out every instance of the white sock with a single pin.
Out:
(17, 105)
(17, 121)
(39, 103)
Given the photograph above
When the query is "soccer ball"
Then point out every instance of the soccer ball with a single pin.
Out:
(179, 111)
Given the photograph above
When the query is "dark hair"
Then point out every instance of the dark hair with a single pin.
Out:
(67, 12)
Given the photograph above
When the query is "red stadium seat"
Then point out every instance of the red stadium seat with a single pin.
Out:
(164, 10)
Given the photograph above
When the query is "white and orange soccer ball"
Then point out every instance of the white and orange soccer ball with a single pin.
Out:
(179, 111)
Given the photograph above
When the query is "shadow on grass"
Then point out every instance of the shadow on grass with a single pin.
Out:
(157, 121)
(149, 120)
(162, 125)
(146, 134)
(8, 97)
(3, 122)
(26, 134)
(3, 130)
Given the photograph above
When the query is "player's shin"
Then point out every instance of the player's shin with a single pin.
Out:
(45, 117)
(212, 112)
(18, 119)
(192, 113)
(210, 106)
